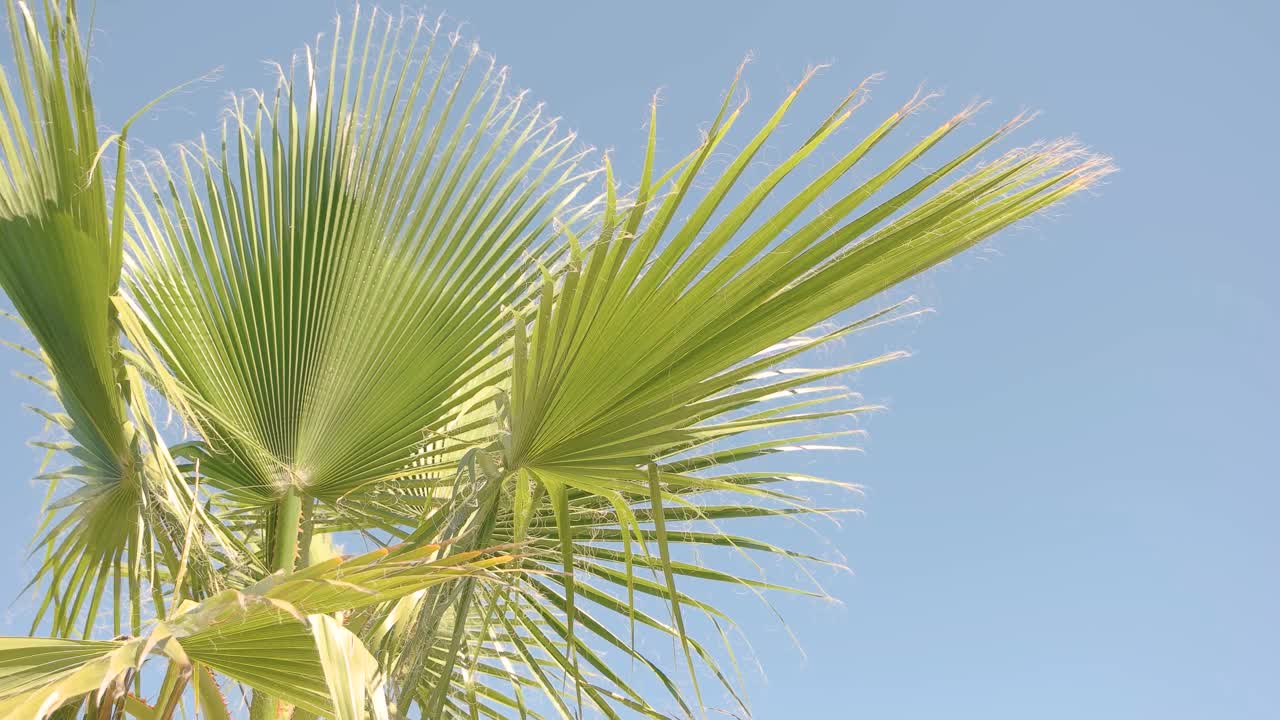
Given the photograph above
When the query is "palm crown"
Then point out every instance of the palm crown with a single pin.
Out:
(394, 299)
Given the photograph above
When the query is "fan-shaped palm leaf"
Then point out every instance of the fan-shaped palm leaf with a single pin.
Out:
(125, 523)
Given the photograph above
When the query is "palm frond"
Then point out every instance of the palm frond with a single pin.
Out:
(60, 265)
(646, 349)
(324, 282)
(279, 636)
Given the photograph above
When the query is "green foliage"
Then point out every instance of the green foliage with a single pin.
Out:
(393, 299)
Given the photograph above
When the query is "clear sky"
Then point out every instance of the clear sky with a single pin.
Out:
(1071, 507)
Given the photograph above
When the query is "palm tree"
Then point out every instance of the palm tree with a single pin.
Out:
(393, 300)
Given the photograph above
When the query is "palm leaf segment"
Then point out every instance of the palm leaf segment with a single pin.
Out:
(277, 635)
(377, 294)
(125, 523)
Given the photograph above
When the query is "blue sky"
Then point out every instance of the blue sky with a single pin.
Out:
(1070, 507)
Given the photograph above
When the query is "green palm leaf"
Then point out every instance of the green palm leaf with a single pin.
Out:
(699, 309)
(124, 524)
(278, 636)
(323, 284)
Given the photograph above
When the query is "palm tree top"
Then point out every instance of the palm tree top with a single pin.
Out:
(393, 300)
